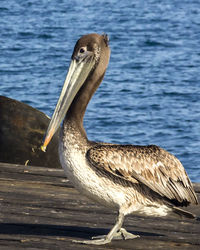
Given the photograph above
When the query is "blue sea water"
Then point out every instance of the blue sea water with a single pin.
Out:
(151, 91)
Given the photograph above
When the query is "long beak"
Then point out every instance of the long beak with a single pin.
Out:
(79, 70)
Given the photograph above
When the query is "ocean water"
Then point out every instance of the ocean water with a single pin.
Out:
(151, 90)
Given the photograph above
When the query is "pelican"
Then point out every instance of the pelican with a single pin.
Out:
(127, 178)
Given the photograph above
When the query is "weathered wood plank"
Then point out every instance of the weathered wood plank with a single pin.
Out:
(39, 209)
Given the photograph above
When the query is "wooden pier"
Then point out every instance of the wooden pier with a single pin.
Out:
(40, 209)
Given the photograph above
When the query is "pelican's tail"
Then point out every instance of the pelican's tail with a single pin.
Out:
(183, 213)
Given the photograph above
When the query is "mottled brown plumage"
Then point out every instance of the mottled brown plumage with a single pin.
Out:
(150, 165)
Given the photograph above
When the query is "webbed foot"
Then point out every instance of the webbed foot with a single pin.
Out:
(122, 234)
(98, 241)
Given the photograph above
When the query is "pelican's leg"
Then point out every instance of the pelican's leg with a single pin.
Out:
(104, 239)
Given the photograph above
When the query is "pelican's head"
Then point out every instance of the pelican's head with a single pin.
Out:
(90, 58)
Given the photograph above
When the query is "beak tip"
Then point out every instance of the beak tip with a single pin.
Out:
(43, 148)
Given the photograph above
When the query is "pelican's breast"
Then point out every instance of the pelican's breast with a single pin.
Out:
(87, 180)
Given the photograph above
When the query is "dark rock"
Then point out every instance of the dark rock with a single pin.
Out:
(22, 130)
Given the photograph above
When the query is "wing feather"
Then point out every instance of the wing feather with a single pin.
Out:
(150, 165)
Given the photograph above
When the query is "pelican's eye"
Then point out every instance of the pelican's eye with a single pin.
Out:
(82, 50)
(83, 54)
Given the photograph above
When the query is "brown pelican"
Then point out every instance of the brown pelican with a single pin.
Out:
(127, 178)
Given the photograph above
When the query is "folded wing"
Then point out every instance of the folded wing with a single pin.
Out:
(150, 165)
